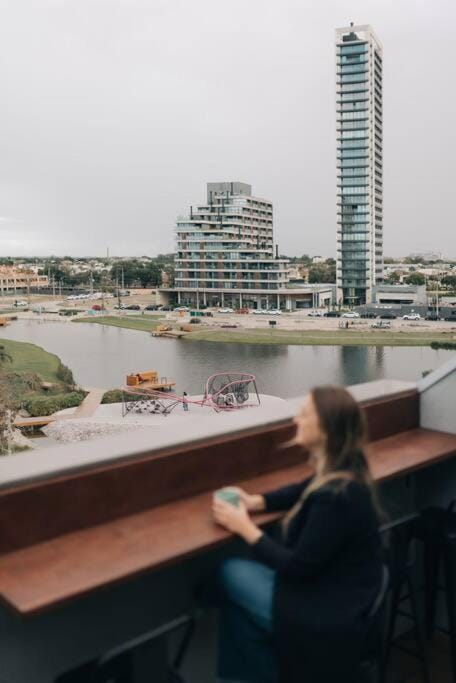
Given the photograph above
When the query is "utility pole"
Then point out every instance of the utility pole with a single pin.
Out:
(118, 291)
(438, 283)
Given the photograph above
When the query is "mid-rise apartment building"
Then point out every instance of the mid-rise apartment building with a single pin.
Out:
(359, 106)
(226, 253)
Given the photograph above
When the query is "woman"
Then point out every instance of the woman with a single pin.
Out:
(298, 612)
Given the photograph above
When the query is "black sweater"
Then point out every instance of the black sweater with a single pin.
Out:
(329, 572)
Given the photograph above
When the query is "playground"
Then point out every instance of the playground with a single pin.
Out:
(143, 407)
(224, 391)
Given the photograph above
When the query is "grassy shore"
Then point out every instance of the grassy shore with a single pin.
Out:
(31, 358)
(320, 337)
(335, 337)
(145, 323)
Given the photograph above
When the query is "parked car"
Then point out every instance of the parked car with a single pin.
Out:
(167, 308)
(258, 311)
(411, 316)
(226, 310)
(273, 311)
(388, 316)
(20, 303)
(152, 307)
(368, 315)
(381, 325)
(451, 317)
(242, 311)
(332, 314)
(133, 307)
(432, 316)
(97, 307)
(119, 307)
(182, 308)
(352, 314)
(316, 314)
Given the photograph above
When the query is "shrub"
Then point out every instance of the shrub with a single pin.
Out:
(65, 375)
(443, 345)
(112, 396)
(46, 405)
(21, 384)
(115, 396)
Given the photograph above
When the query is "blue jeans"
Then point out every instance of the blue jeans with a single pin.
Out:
(243, 590)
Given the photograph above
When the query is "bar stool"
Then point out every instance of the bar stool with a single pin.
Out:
(437, 529)
(143, 659)
(401, 562)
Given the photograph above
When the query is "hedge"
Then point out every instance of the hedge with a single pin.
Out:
(115, 396)
(46, 405)
(443, 345)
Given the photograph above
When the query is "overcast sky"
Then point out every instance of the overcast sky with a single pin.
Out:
(115, 113)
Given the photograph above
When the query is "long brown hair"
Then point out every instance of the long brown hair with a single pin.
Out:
(344, 425)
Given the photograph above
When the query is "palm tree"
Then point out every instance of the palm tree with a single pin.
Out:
(4, 355)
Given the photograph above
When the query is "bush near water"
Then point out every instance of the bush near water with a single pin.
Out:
(46, 405)
(443, 345)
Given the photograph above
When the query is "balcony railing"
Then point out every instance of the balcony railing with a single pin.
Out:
(103, 541)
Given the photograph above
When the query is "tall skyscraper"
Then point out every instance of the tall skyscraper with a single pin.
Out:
(359, 163)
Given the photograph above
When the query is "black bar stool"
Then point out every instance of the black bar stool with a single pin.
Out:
(437, 529)
(401, 562)
(141, 660)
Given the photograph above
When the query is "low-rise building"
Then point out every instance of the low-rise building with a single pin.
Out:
(13, 279)
(399, 294)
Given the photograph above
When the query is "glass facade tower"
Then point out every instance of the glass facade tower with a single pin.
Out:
(359, 164)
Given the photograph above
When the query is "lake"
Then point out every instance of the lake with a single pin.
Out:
(102, 356)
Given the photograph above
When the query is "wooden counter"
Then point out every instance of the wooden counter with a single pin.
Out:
(43, 575)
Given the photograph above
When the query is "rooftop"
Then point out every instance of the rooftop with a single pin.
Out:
(101, 529)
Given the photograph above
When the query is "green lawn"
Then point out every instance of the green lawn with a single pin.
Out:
(321, 337)
(145, 323)
(336, 337)
(30, 358)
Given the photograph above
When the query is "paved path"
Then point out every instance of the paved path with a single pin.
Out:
(87, 408)
(89, 404)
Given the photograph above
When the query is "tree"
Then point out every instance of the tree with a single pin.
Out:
(306, 260)
(321, 272)
(416, 279)
(393, 278)
(449, 281)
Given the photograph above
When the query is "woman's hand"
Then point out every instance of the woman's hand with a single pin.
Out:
(253, 502)
(236, 520)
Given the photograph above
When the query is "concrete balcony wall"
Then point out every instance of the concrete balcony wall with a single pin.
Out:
(35, 648)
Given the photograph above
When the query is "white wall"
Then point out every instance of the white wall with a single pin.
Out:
(438, 398)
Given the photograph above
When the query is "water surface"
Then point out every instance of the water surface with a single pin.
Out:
(102, 356)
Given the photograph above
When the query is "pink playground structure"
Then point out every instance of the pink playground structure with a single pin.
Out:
(224, 391)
